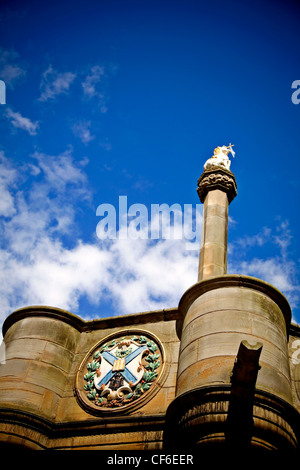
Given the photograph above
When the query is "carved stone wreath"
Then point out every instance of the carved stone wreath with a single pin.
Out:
(121, 370)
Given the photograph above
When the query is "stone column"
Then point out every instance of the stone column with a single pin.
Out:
(216, 189)
(217, 315)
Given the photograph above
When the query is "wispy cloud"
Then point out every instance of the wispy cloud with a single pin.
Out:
(8, 180)
(44, 211)
(92, 80)
(82, 131)
(61, 174)
(277, 267)
(283, 237)
(55, 83)
(21, 122)
(10, 70)
(93, 86)
(250, 241)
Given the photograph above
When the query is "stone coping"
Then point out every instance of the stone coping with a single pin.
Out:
(235, 280)
(81, 325)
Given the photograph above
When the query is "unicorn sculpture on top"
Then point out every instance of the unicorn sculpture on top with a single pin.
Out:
(220, 157)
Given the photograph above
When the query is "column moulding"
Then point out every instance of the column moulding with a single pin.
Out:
(217, 178)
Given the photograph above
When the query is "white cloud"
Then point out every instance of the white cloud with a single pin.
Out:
(82, 131)
(8, 179)
(60, 171)
(283, 237)
(144, 275)
(250, 241)
(21, 122)
(10, 71)
(38, 267)
(93, 86)
(54, 83)
(92, 80)
(58, 276)
(48, 208)
(278, 268)
(276, 271)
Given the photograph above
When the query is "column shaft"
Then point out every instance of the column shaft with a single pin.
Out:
(213, 249)
(216, 189)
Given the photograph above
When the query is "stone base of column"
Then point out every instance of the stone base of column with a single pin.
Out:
(199, 420)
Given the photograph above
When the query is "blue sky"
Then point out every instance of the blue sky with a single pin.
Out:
(129, 98)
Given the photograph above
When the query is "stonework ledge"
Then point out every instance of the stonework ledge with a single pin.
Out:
(33, 432)
(217, 178)
(90, 325)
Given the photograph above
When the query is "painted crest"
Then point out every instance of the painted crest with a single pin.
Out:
(122, 370)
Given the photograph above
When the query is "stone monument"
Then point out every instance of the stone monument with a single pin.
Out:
(220, 371)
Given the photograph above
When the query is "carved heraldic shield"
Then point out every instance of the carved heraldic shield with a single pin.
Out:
(122, 370)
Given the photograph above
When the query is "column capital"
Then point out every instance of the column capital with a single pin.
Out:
(217, 178)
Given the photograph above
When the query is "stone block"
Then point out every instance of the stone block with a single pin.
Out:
(46, 376)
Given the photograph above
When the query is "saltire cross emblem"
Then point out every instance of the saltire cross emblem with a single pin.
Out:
(123, 370)
(120, 365)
